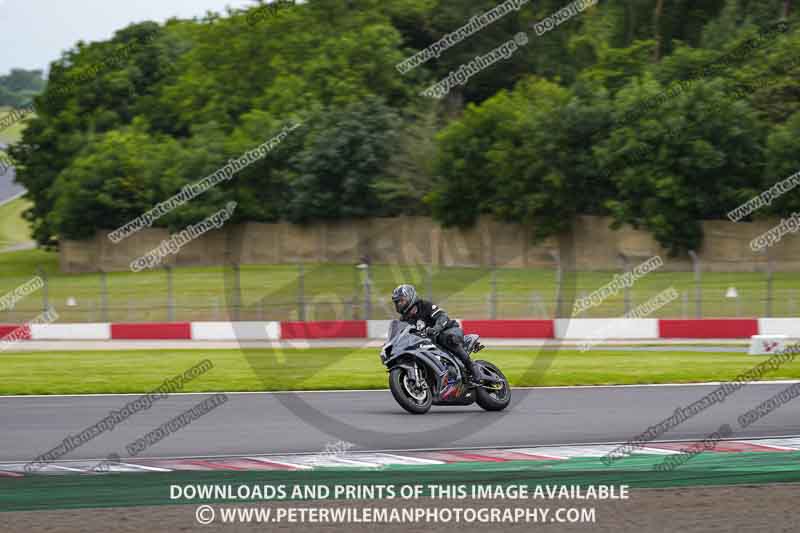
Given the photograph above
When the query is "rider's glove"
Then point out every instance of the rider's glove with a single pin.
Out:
(431, 333)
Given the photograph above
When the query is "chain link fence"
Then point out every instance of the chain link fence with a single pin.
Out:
(347, 292)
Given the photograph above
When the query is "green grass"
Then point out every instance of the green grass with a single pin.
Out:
(271, 292)
(13, 228)
(13, 133)
(134, 371)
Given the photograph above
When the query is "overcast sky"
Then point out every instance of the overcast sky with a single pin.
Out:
(35, 32)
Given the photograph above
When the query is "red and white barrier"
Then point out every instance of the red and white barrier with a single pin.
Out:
(231, 331)
(606, 328)
(571, 329)
(708, 328)
(510, 329)
(779, 326)
(93, 332)
(157, 331)
(325, 329)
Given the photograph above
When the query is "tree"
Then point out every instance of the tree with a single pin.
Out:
(692, 158)
(524, 157)
(113, 180)
(410, 174)
(344, 154)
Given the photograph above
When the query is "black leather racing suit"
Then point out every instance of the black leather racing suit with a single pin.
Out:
(446, 332)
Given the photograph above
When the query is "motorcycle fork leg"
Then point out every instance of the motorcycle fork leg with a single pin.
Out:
(419, 381)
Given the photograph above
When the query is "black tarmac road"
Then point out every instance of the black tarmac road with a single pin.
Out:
(260, 423)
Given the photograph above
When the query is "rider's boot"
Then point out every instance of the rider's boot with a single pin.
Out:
(470, 376)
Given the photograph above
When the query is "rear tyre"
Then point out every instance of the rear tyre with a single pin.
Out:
(493, 400)
(415, 401)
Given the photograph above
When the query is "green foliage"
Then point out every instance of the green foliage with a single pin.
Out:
(783, 160)
(345, 152)
(410, 174)
(18, 87)
(116, 178)
(506, 157)
(692, 159)
(536, 139)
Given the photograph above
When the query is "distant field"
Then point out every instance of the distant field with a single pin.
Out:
(13, 228)
(13, 133)
(320, 369)
(271, 292)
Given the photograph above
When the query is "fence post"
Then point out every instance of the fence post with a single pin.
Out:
(559, 280)
(493, 295)
(698, 290)
(367, 293)
(103, 296)
(626, 289)
(538, 308)
(45, 294)
(170, 295)
(215, 307)
(769, 287)
(429, 282)
(301, 303)
(237, 291)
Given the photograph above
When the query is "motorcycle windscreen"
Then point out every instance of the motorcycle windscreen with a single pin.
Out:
(396, 328)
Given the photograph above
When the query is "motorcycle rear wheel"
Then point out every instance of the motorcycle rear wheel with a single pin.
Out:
(493, 400)
(414, 402)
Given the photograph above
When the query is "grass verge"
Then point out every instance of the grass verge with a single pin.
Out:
(133, 371)
(13, 228)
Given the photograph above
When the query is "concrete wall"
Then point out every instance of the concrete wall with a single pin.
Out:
(418, 240)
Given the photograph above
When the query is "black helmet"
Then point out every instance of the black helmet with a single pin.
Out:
(404, 297)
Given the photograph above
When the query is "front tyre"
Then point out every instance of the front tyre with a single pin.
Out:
(414, 400)
(495, 399)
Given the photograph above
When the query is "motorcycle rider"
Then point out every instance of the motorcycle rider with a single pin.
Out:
(438, 327)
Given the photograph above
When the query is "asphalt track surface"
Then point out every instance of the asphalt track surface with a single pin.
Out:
(260, 423)
(8, 189)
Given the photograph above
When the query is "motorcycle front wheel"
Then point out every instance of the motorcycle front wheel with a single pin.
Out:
(413, 399)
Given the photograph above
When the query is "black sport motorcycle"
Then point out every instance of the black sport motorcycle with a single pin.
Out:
(417, 366)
